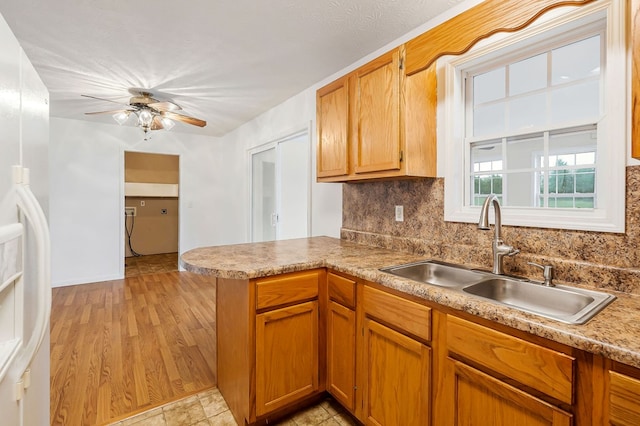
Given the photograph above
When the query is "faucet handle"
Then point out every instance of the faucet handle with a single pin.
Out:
(513, 252)
(547, 273)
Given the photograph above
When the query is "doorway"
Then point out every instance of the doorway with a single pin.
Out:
(280, 189)
(151, 213)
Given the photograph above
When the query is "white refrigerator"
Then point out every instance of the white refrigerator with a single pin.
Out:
(25, 284)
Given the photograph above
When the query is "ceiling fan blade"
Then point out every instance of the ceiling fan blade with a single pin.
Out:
(184, 118)
(156, 124)
(109, 112)
(165, 106)
(106, 100)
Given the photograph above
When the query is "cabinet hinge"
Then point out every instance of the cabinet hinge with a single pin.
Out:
(401, 63)
(401, 155)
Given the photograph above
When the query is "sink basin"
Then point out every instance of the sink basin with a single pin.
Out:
(570, 305)
(436, 273)
(567, 304)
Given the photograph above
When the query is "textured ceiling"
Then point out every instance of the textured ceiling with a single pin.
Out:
(224, 61)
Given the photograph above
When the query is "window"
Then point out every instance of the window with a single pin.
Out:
(539, 119)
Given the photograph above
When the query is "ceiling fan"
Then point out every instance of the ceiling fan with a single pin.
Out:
(151, 113)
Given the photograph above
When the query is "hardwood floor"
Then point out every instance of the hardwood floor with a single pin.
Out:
(121, 347)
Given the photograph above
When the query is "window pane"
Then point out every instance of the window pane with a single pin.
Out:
(564, 148)
(527, 75)
(586, 158)
(486, 156)
(586, 181)
(489, 86)
(565, 181)
(585, 202)
(527, 112)
(522, 153)
(489, 119)
(520, 189)
(575, 61)
(576, 102)
(485, 185)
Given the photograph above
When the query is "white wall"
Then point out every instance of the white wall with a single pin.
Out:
(287, 118)
(86, 213)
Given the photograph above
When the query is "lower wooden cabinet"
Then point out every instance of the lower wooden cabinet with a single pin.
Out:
(480, 399)
(394, 360)
(269, 343)
(624, 400)
(494, 378)
(286, 356)
(341, 354)
(396, 377)
(394, 371)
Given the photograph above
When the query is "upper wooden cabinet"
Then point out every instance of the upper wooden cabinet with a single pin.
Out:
(635, 79)
(377, 123)
(332, 112)
(375, 95)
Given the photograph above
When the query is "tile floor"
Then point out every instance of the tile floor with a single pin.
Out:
(209, 408)
(150, 264)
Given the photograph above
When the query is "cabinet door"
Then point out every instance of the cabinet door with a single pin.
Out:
(341, 354)
(479, 399)
(376, 114)
(396, 378)
(286, 356)
(332, 115)
(624, 400)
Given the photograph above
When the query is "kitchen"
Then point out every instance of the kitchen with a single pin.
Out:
(577, 254)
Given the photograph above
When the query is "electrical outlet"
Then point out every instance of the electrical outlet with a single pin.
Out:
(163, 211)
(142, 203)
(399, 213)
(130, 211)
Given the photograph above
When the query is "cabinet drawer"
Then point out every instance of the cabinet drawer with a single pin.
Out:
(624, 399)
(342, 290)
(400, 313)
(285, 289)
(532, 365)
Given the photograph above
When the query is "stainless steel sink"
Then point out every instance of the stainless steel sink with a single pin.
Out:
(562, 303)
(436, 273)
(567, 304)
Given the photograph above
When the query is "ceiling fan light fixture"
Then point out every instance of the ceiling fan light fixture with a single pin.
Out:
(121, 117)
(167, 124)
(145, 117)
(150, 113)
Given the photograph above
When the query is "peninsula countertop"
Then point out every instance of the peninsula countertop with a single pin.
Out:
(613, 333)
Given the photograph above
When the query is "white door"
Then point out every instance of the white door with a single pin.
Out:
(263, 195)
(280, 179)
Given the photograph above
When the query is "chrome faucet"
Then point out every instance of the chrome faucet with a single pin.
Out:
(500, 249)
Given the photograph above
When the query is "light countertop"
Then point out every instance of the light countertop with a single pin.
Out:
(613, 333)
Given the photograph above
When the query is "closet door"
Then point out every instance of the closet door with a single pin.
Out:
(280, 179)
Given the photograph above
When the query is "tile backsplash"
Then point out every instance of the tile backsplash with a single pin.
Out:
(603, 260)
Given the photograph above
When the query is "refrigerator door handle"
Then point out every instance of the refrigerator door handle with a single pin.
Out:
(32, 211)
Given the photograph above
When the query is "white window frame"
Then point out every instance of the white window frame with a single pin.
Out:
(613, 125)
